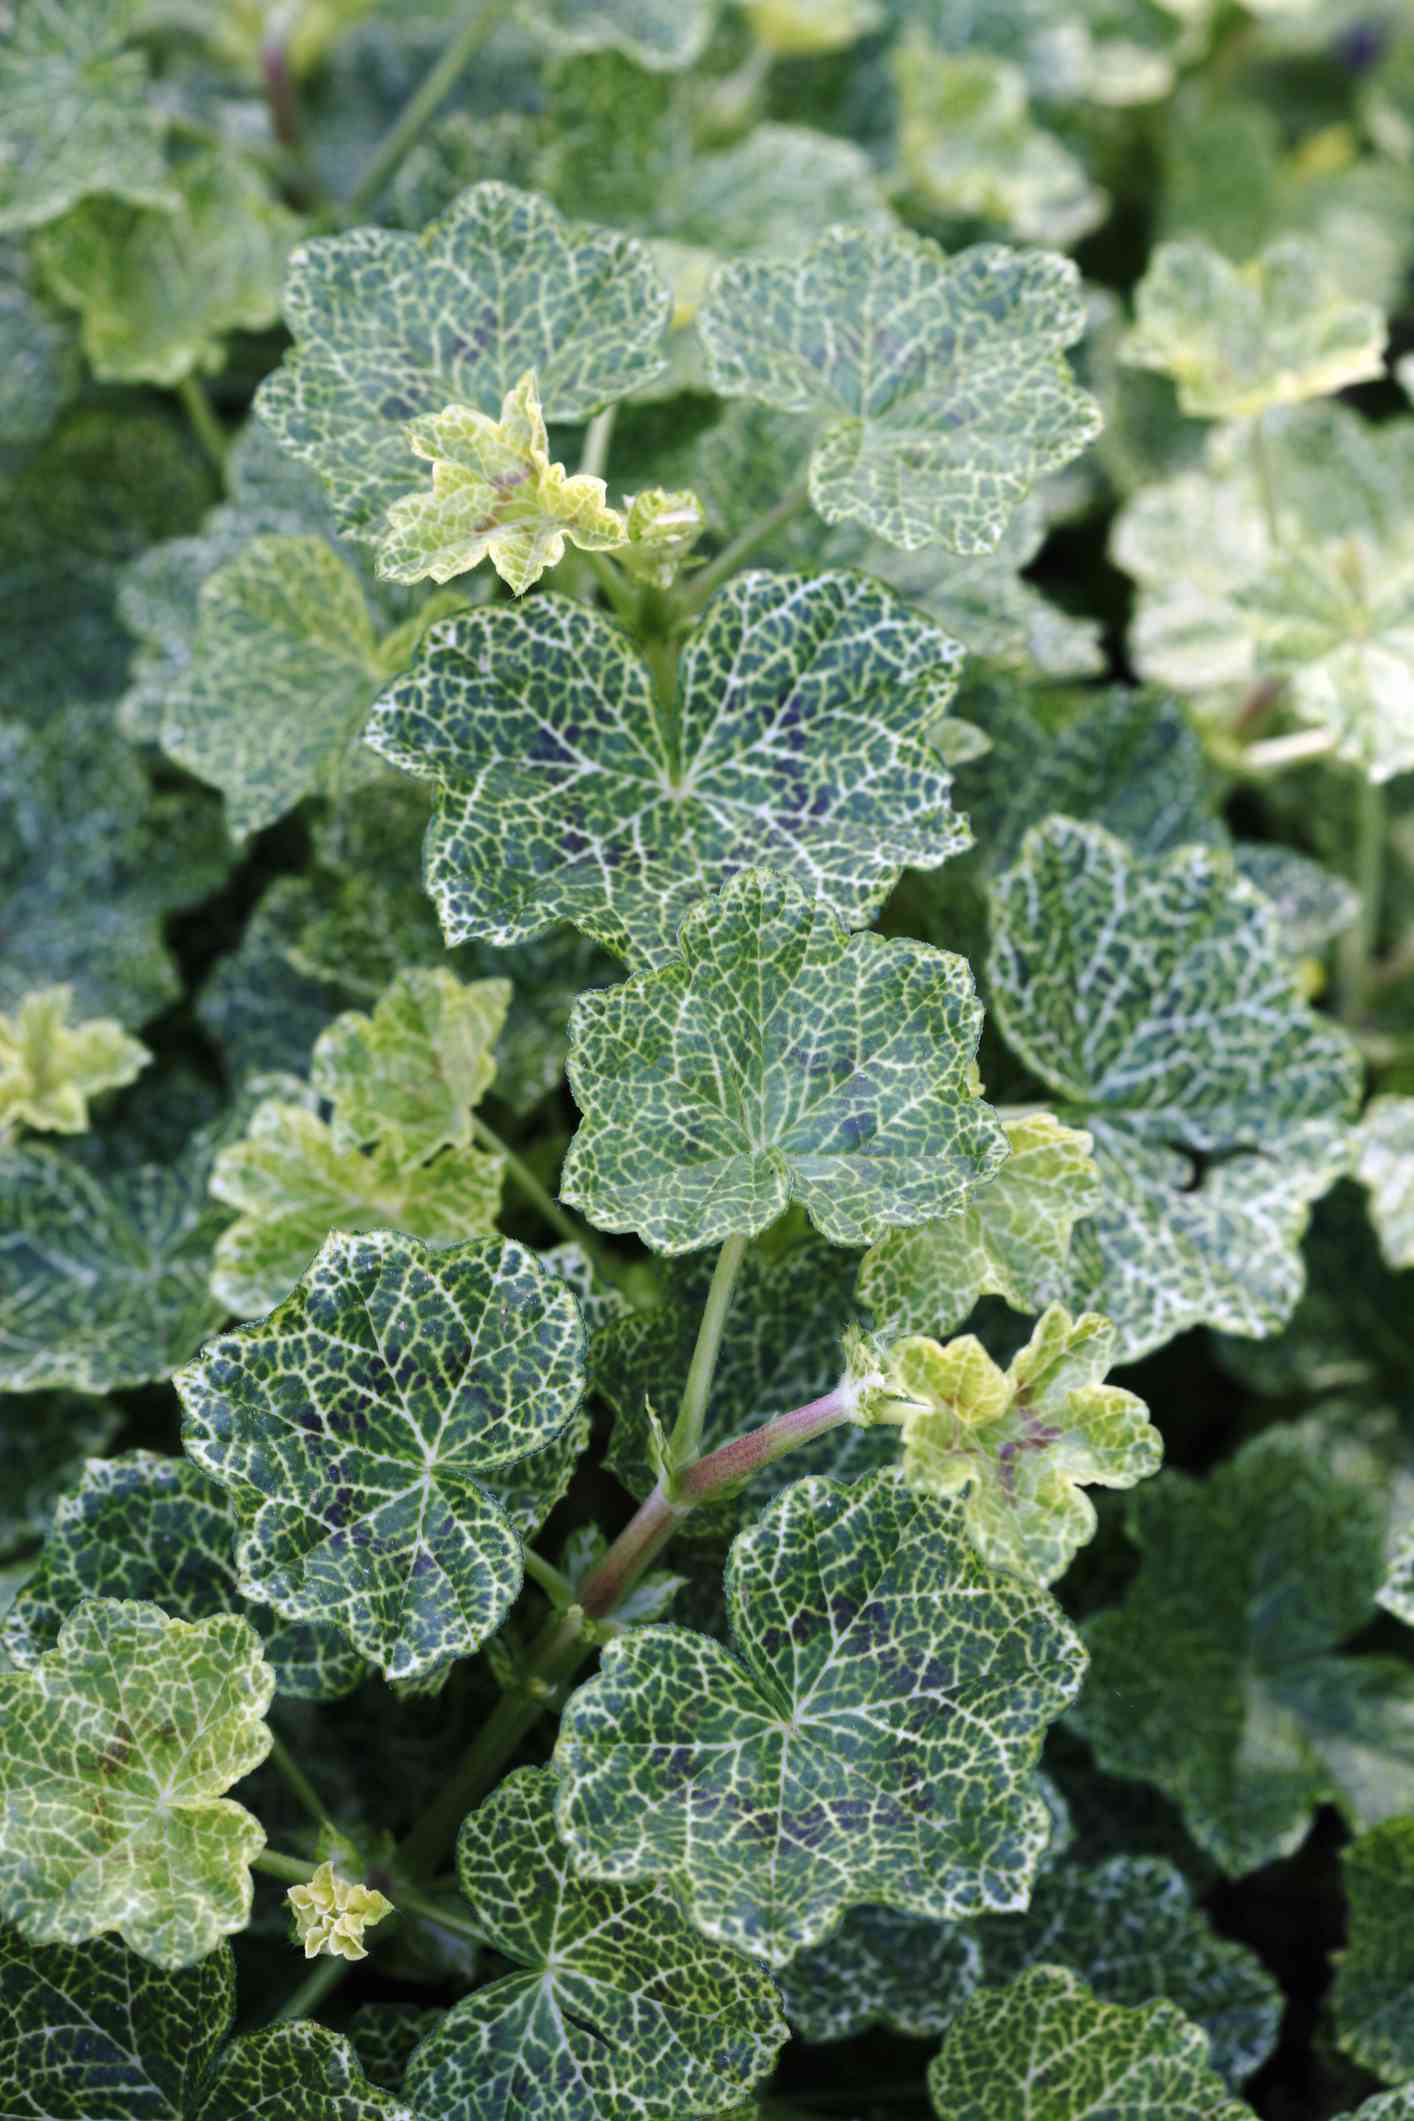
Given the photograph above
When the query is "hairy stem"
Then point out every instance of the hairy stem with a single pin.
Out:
(205, 426)
(423, 106)
(1356, 955)
(685, 1443)
(300, 1785)
(574, 1232)
(726, 563)
(420, 1905)
(289, 1868)
(319, 1984)
(552, 1581)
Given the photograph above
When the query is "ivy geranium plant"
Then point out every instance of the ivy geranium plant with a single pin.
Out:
(706, 1061)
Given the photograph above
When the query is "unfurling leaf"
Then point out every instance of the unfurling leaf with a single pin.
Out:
(495, 495)
(1384, 1162)
(870, 1735)
(331, 1914)
(356, 1426)
(662, 35)
(50, 1068)
(778, 1059)
(1019, 1445)
(662, 530)
(1373, 1994)
(115, 1751)
(410, 1075)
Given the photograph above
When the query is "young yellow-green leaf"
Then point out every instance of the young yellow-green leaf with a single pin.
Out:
(44, 1439)
(410, 1075)
(1096, 955)
(495, 495)
(92, 2029)
(389, 327)
(1373, 1995)
(103, 1282)
(156, 1529)
(1384, 1163)
(291, 1184)
(569, 790)
(662, 35)
(1216, 1678)
(50, 1068)
(354, 1425)
(613, 2006)
(1020, 1445)
(805, 29)
(115, 1751)
(331, 1914)
(968, 145)
(663, 527)
(1048, 2048)
(869, 1736)
(778, 1059)
(1011, 1239)
(941, 383)
(1238, 339)
(159, 288)
(77, 113)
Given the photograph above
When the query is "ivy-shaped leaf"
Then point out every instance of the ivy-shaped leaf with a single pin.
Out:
(45, 1439)
(778, 1059)
(384, 2035)
(567, 790)
(1240, 339)
(411, 1074)
(115, 1751)
(389, 327)
(869, 1736)
(1217, 1676)
(878, 1967)
(941, 383)
(354, 1425)
(1373, 1994)
(614, 2006)
(1384, 1163)
(1096, 955)
(50, 1068)
(155, 1529)
(92, 2027)
(1011, 1239)
(1048, 2046)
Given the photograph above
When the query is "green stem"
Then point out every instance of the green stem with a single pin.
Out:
(570, 1229)
(288, 1868)
(299, 1783)
(552, 1581)
(594, 457)
(205, 425)
(616, 587)
(422, 107)
(1357, 948)
(1266, 483)
(318, 1984)
(409, 1901)
(711, 578)
(685, 1443)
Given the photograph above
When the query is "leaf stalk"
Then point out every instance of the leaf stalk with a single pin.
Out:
(398, 142)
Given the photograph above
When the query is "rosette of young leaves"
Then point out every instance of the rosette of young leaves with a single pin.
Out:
(613, 2004)
(159, 288)
(357, 1425)
(390, 327)
(1384, 1164)
(968, 145)
(657, 34)
(45, 1439)
(1218, 1677)
(1011, 1238)
(115, 1751)
(869, 1735)
(1018, 1445)
(1097, 954)
(567, 790)
(77, 116)
(941, 383)
(1238, 339)
(1373, 1994)
(778, 1059)
(89, 2025)
(50, 1068)
(156, 1529)
(103, 1281)
(1048, 2045)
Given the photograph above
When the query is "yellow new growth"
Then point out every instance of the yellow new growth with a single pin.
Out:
(331, 1915)
(50, 1068)
(662, 530)
(803, 29)
(495, 495)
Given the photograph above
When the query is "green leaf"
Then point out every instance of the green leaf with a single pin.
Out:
(45, 1440)
(50, 1068)
(806, 29)
(1384, 1163)
(1216, 1678)
(354, 1425)
(156, 1529)
(942, 383)
(103, 1282)
(877, 1967)
(159, 289)
(77, 115)
(614, 2006)
(38, 351)
(1373, 1995)
(92, 2026)
(1385, 2106)
(1312, 906)
(870, 1735)
(1011, 1239)
(1048, 2047)
(778, 1059)
(1019, 1445)
(567, 790)
(410, 1075)
(384, 2035)
(389, 327)
(653, 33)
(1239, 339)
(1096, 956)
(115, 1752)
